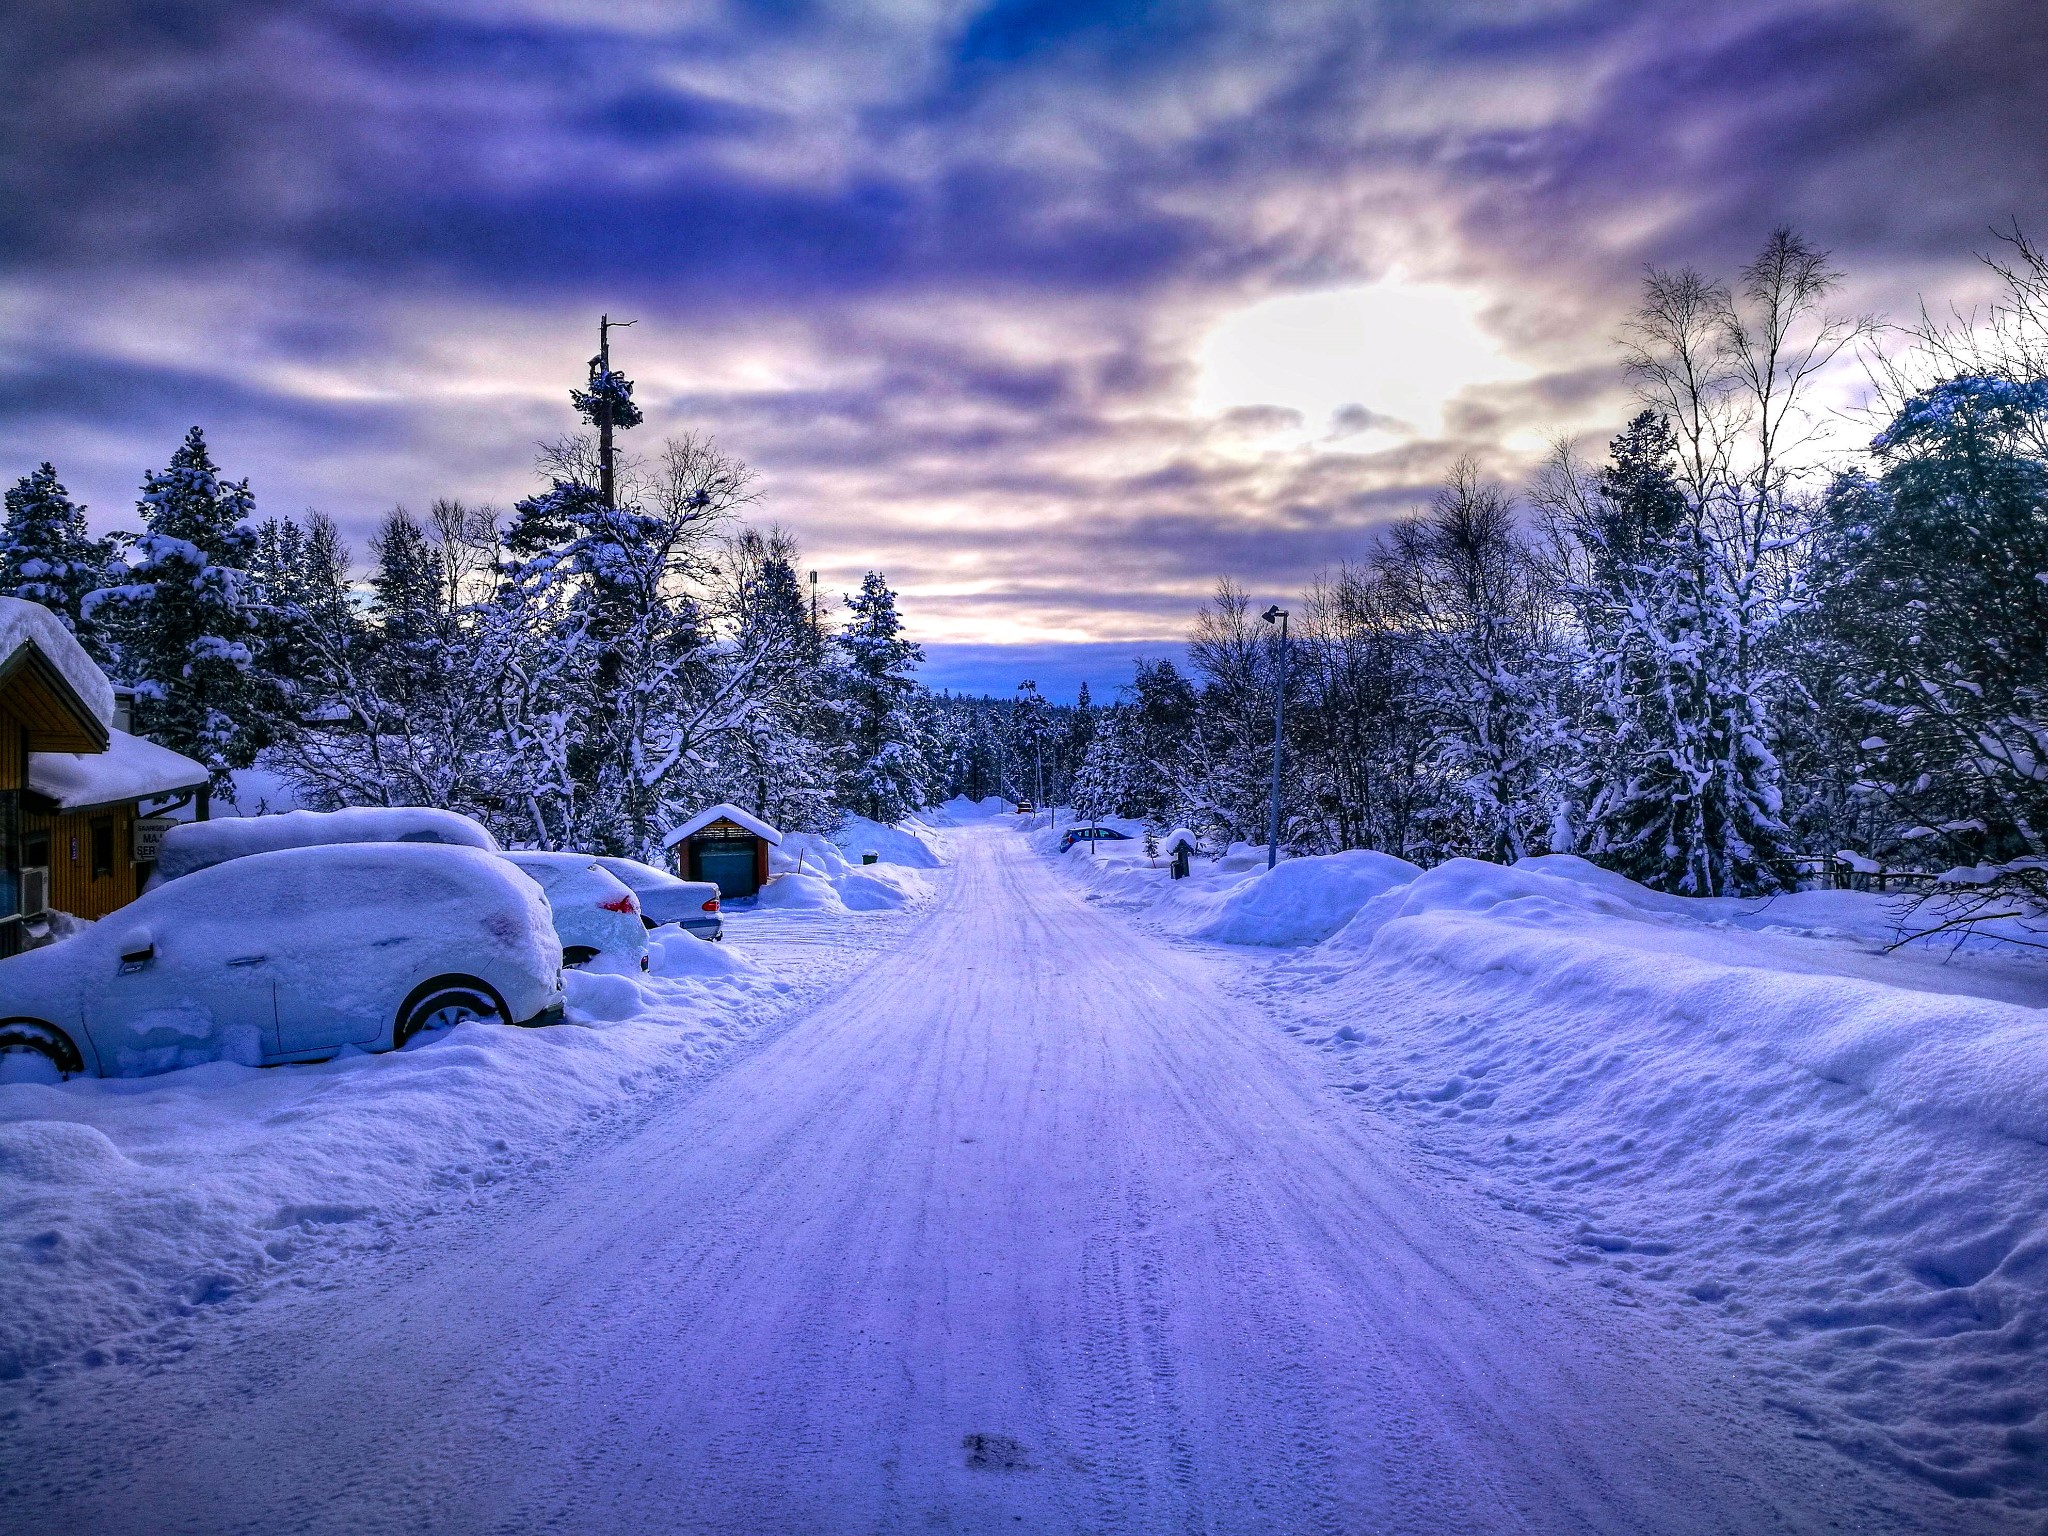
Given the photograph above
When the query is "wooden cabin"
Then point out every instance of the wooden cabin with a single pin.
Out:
(725, 845)
(73, 784)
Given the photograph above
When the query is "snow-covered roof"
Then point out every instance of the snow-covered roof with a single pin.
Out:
(130, 769)
(25, 623)
(1181, 837)
(731, 813)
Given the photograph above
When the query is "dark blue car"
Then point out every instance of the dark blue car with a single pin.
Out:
(1092, 835)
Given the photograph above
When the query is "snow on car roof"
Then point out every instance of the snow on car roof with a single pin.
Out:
(731, 813)
(196, 845)
(25, 623)
(130, 769)
(327, 883)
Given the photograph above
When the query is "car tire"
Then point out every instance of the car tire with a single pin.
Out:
(32, 1051)
(445, 1002)
(578, 954)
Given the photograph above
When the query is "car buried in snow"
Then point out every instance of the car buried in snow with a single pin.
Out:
(286, 956)
(595, 913)
(691, 905)
(1075, 835)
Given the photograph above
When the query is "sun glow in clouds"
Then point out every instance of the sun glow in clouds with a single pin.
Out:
(1400, 350)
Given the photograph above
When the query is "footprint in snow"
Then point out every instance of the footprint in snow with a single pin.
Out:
(995, 1453)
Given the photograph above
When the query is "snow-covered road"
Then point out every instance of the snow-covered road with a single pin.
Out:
(1033, 1228)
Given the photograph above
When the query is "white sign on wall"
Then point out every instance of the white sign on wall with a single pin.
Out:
(149, 837)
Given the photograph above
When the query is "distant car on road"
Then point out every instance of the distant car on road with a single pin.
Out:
(1025, 807)
(285, 956)
(690, 904)
(1092, 835)
(595, 913)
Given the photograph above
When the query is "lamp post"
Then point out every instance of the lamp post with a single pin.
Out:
(1279, 727)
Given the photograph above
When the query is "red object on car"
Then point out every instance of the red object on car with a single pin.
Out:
(626, 903)
(711, 905)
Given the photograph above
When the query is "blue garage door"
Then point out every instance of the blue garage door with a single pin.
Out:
(732, 868)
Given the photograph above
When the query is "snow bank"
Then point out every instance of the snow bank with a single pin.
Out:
(127, 1205)
(801, 893)
(882, 888)
(1734, 1115)
(195, 845)
(824, 874)
(1304, 901)
(906, 844)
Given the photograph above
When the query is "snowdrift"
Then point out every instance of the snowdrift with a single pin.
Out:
(1304, 901)
(825, 874)
(1735, 1114)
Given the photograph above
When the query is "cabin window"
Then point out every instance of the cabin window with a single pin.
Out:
(102, 847)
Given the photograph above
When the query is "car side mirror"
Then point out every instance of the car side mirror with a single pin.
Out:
(138, 948)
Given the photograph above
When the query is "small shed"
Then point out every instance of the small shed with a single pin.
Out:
(1180, 846)
(726, 845)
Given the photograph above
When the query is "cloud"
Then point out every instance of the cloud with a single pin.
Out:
(944, 273)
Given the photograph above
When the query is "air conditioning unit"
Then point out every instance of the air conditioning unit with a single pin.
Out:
(35, 891)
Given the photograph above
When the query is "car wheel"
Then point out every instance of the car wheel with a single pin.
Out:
(34, 1052)
(578, 954)
(445, 1002)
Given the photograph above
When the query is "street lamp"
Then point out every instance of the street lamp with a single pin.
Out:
(1279, 724)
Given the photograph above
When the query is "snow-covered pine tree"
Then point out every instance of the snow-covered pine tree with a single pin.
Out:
(48, 556)
(779, 758)
(1471, 602)
(886, 777)
(1933, 580)
(185, 620)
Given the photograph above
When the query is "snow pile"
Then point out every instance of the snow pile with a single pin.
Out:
(195, 845)
(25, 623)
(882, 888)
(809, 892)
(824, 874)
(1735, 1115)
(126, 1205)
(1304, 901)
(906, 844)
(1232, 898)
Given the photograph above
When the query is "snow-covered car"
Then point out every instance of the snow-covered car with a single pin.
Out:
(691, 905)
(195, 845)
(1092, 835)
(285, 956)
(595, 913)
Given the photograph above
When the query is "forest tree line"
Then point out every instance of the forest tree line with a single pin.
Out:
(1712, 659)
(1718, 651)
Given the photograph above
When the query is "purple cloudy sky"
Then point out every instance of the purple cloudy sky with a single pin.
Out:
(1053, 312)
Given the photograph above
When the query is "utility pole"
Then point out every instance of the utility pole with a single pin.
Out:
(607, 479)
(814, 600)
(1279, 725)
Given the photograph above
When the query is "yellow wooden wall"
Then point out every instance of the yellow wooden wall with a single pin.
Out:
(72, 887)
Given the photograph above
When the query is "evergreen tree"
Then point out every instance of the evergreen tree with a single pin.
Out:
(1689, 798)
(47, 555)
(1933, 585)
(187, 618)
(887, 775)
